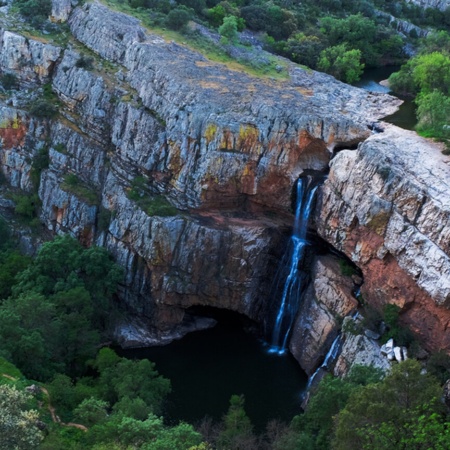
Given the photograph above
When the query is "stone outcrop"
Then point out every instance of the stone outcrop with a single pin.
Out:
(436, 4)
(358, 349)
(386, 206)
(31, 60)
(225, 149)
(327, 301)
(61, 9)
(228, 137)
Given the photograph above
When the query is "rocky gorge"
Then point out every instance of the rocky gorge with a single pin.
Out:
(184, 170)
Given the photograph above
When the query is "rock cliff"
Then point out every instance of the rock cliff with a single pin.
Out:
(183, 169)
(395, 227)
(153, 117)
(437, 4)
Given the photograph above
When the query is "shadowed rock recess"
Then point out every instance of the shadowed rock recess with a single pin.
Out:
(184, 170)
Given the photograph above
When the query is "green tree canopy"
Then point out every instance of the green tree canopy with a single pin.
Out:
(18, 423)
(383, 415)
(343, 64)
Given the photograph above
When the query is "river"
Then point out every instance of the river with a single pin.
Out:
(405, 117)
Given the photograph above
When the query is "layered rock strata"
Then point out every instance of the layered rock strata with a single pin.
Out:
(386, 206)
(327, 301)
(222, 146)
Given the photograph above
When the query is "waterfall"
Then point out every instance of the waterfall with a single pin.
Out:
(332, 353)
(290, 275)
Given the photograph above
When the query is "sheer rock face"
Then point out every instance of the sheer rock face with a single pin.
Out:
(31, 60)
(228, 137)
(223, 147)
(437, 4)
(61, 9)
(387, 207)
(328, 300)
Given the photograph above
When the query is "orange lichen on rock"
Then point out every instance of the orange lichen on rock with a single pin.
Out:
(248, 141)
(12, 132)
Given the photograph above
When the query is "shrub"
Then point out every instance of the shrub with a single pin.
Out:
(178, 18)
(9, 81)
(85, 62)
(43, 109)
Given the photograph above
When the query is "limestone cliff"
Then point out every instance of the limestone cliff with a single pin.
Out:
(222, 146)
(387, 207)
(144, 122)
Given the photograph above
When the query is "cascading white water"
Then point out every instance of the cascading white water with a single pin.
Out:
(294, 281)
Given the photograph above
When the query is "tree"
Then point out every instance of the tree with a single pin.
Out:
(237, 428)
(383, 415)
(123, 380)
(313, 430)
(91, 411)
(343, 64)
(432, 72)
(433, 113)
(18, 423)
(149, 434)
(304, 49)
(178, 18)
(228, 30)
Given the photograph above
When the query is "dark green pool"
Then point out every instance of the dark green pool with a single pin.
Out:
(207, 367)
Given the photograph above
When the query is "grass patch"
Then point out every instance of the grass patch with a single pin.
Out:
(153, 205)
(9, 369)
(201, 44)
(75, 186)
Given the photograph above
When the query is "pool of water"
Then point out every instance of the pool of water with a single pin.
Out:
(405, 117)
(207, 367)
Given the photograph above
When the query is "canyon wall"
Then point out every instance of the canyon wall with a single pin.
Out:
(183, 168)
(387, 207)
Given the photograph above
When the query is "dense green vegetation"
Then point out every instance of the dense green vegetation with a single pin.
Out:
(56, 310)
(427, 78)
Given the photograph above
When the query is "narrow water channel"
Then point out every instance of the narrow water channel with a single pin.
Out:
(207, 367)
(405, 117)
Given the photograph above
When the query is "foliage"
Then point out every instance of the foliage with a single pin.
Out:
(402, 335)
(85, 62)
(18, 423)
(41, 162)
(228, 30)
(9, 81)
(35, 12)
(58, 309)
(343, 64)
(439, 366)
(149, 434)
(433, 113)
(178, 18)
(43, 109)
(123, 380)
(237, 428)
(27, 206)
(91, 411)
(383, 415)
(74, 185)
(11, 264)
(314, 429)
(153, 205)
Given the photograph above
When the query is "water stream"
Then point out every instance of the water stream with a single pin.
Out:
(290, 274)
(405, 117)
